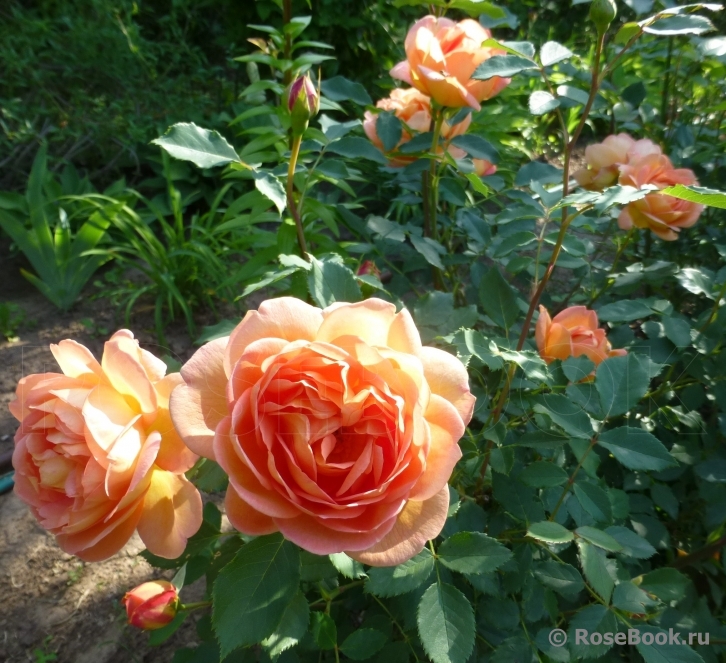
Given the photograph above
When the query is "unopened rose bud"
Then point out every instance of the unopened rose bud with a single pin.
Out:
(303, 103)
(602, 14)
(369, 268)
(151, 605)
(484, 168)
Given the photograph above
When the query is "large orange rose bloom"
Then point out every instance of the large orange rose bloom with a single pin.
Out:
(414, 109)
(96, 455)
(442, 56)
(335, 426)
(662, 214)
(572, 333)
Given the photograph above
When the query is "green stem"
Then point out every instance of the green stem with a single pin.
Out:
(195, 606)
(433, 172)
(571, 480)
(291, 205)
(714, 311)
(608, 280)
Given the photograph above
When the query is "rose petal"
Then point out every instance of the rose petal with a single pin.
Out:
(244, 518)
(75, 359)
(200, 404)
(448, 378)
(172, 512)
(418, 523)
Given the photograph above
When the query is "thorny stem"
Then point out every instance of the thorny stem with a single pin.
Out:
(433, 174)
(597, 78)
(571, 480)
(294, 153)
(699, 555)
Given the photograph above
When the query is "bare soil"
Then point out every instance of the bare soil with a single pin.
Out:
(55, 607)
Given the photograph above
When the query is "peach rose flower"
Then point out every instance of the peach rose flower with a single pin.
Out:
(572, 333)
(96, 455)
(335, 426)
(483, 168)
(654, 169)
(604, 160)
(664, 215)
(413, 109)
(441, 57)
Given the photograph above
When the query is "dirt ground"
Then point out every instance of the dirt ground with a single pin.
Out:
(54, 607)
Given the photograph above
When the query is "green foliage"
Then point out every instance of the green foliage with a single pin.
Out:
(57, 249)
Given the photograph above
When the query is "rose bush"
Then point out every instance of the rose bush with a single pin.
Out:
(96, 455)
(336, 427)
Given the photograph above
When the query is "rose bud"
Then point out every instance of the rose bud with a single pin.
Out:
(151, 605)
(483, 168)
(602, 14)
(303, 103)
(368, 268)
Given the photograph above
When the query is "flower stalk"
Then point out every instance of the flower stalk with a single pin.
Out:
(290, 190)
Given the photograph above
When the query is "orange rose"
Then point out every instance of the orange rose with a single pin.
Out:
(414, 110)
(151, 605)
(335, 426)
(96, 455)
(572, 333)
(441, 57)
(664, 215)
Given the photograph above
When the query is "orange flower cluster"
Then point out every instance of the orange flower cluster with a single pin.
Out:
(641, 163)
(441, 57)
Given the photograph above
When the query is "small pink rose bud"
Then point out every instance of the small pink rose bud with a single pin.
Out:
(483, 168)
(303, 103)
(368, 268)
(151, 605)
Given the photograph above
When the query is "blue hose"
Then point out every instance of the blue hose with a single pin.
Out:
(6, 482)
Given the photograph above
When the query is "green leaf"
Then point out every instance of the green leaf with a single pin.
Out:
(325, 633)
(627, 596)
(446, 624)
(514, 241)
(621, 382)
(160, 636)
(594, 619)
(566, 414)
(355, 147)
(219, 330)
(666, 583)
(389, 130)
(552, 53)
(544, 641)
(599, 538)
(538, 171)
(666, 653)
(633, 545)
(473, 552)
(271, 187)
(699, 281)
(541, 102)
(594, 500)
(697, 194)
(291, 629)
(518, 500)
(688, 24)
(577, 368)
(330, 281)
(550, 532)
(347, 566)
(253, 591)
(504, 66)
(394, 580)
(595, 566)
(363, 643)
(637, 449)
(498, 299)
(624, 311)
(204, 148)
(476, 147)
(339, 88)
(430, 249)
(564, 579)
(543, 474)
